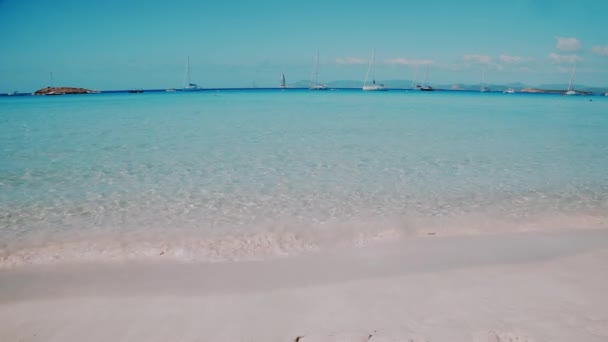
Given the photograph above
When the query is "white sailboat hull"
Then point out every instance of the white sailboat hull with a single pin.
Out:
(374, 87)
(318, 87)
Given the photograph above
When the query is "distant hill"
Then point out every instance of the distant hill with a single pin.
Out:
(345, 84)
(300, 84)
(579, 87)
(407, 84)
(331, 84)
(516, 85)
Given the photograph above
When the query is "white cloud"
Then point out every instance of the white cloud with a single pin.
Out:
(478, 59)
(600, 50)
(351, 61)
(557, 58)
(514, 59)
(406, 61)
(568, 44)
(526, 69)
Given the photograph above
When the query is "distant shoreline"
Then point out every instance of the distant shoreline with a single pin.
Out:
(83, 91)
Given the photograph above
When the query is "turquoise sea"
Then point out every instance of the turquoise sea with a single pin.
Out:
(232, 175)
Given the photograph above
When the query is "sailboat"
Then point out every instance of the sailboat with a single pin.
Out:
(483, 88)
(426, 87)
(372, 68)
(570, 91)
(314, 83)
(509, 91)
(189, 86)
(283, 85)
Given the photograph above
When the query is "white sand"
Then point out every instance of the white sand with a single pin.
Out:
(515, 287)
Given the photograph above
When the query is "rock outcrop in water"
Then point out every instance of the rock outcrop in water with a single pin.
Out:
(63, 91)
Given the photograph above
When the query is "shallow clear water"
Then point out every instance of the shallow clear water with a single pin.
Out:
(244, 174)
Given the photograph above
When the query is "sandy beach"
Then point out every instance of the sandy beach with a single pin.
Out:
(542, 286)
(313, 171)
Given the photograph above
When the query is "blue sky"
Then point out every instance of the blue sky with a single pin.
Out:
(144, 44)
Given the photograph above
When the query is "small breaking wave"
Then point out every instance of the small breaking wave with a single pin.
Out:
(185, 247)
(259, 244)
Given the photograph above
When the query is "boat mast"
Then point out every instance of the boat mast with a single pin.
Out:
(415, 77)
(374, 66)
(188, 72)
(370, 67)
(316, 74)
(572, 77)
(426, 75)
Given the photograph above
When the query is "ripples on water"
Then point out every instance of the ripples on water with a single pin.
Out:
(246, 175)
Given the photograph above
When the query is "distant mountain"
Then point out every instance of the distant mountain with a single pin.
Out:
(407, 84)
(300, 84)
(580, 87)
(345, 84)
(393, 84)
(563, 86)
(516, 85)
